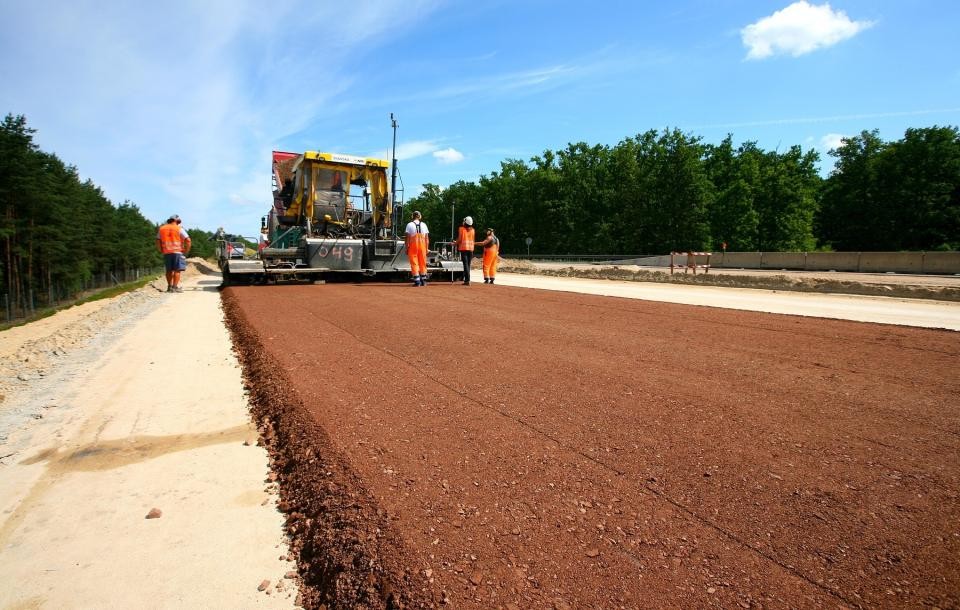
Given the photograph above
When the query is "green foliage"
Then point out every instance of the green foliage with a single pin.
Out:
(651, 193)
(902, 195)
(203, 244)
(56, 231)
(662, 191)
(735, 176)
(787, 200)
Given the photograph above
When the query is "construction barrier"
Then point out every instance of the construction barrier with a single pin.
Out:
(833, 261)
(690, 261)
(886, 262)
(738, 260)
(940, 263)
(943, 263)
(783, 260)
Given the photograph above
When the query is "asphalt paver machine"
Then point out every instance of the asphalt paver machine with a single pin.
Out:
(332, 218)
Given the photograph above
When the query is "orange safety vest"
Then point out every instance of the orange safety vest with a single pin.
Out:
(465, 239)
(170, 240)
(419, 240)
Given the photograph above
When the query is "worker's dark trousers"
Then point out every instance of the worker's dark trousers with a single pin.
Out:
(466, 257)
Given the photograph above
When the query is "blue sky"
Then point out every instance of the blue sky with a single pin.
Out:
(176, 105)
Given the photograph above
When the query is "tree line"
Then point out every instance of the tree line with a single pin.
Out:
(649, 194)
(668, 190)
(58, 232)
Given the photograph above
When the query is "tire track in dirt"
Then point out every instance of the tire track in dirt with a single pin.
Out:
(741, 480)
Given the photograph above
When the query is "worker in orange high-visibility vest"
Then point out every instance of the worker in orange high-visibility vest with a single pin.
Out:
(418, 242)
(466, 242)
(173, 241)
(491, 256)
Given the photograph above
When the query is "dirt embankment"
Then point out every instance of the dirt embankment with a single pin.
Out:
(765, 282)
(30, 351)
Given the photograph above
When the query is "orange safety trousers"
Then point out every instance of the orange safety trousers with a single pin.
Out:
(491, 257)
(417, 253)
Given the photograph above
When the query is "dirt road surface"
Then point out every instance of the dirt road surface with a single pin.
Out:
(482, 447)
(500, 447)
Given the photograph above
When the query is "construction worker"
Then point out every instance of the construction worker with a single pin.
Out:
(465, 244)
(491, 256)
(418, 242)
(173, 242)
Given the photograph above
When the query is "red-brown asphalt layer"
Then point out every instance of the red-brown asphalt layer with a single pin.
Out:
(489, 446)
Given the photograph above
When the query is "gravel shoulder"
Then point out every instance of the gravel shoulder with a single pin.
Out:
(116, 409)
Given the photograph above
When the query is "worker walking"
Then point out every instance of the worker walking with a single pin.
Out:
(173, 241)
(491, 256)
(465, 244)
(418, 242)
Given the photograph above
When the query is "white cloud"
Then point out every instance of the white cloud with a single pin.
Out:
(194, 96)
(831, 141)
(799, 29)
(448, 155)
(409, 150)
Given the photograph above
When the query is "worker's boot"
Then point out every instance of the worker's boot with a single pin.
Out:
(491, 280)
(423, 280)
(416, 280)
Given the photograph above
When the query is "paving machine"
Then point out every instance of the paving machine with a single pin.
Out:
(332, 218)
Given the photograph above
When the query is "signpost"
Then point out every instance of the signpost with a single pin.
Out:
(528, 241)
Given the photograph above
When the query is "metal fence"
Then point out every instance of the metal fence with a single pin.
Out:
(60, 294)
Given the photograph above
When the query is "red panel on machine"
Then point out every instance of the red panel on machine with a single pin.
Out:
(279, 156)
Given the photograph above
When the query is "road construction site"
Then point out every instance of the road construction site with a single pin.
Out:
(378, 445)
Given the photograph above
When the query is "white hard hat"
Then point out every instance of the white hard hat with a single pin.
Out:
(468, 221)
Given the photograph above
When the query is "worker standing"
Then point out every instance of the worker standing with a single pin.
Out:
(173, 241)
(418, 242)
(465, 244)
(491, 256)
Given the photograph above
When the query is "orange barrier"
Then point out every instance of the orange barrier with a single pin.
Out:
(690, 261)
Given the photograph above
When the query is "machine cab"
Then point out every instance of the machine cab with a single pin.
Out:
(328, 195)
